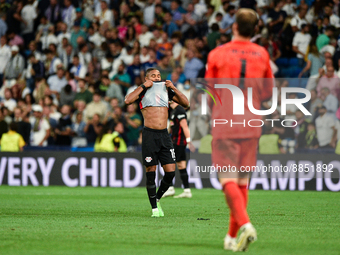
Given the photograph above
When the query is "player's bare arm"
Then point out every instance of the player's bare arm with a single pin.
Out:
(133, 96)
(179, 97)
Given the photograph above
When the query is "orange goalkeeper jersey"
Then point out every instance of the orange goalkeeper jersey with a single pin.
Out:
(242, 64)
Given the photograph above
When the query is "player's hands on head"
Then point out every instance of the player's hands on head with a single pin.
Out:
(148, 84)
(169, 84)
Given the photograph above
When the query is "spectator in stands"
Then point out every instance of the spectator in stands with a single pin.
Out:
(333, 18)
(77, 69)
(40, 127)
(277, 17)
(77, 34)
(145, 37)
(97, 106)
(57, 82)
(213, 36)
(63, 130)
(313, 105)
(299, 19)
(8, 100)
(301, 42)
(92, 129)
(134, 69)
(228, 20)
(311, 137)
(330, 81)
(314, 63)
(105, 16)
(5, 56)
(53, 62)
(133, 122)
(122, 78)
(83, 95)
(324, 38)
(193, 65)
(329, 101)
(67, 95)
(15, 66)
(24, 127)
(79, 125)
(325, 129)
(301, 129)
(169, 26)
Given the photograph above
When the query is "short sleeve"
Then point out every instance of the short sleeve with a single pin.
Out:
(116, 141)
(181, 114)
(21, 142)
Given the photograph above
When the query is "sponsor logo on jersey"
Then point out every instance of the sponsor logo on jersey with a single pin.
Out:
(180, 116)
(148, 159)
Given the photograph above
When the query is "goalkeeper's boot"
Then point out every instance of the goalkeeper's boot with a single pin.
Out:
(170, 192)
(248, 236)
(161, 213)
(229, 243)
(186, 194)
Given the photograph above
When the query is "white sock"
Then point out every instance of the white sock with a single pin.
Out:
(230, 238)
(187, 190)
(154, 209)
(247, 225)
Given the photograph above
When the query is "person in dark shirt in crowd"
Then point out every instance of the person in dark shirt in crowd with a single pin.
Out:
(63, 131)
(92, 129)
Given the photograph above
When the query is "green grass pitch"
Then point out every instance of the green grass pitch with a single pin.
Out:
(61, 220)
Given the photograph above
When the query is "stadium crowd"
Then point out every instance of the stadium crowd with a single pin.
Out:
(66, 66)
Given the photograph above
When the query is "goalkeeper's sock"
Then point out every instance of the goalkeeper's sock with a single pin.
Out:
(151, 188)
(184, 177)
(244, 191)
(165, 184)
(236, 203)
(233, 227)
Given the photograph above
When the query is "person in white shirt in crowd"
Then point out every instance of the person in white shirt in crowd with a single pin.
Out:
(333, 18)
(63, 33)
(46, 39)
(85, 56)
(14, 68)
(8, 101)
(79, 71)
(69, 13)
(299, 19)
(95, 37)
(330, 48)
(176, 45)
(145, 37)
(5, 56)
(200, 7)
(28, 15)
(67, 56)
(126, 56)
(57, 82)
(105, 16)
(40, 127)
(144, 55)
(33, 50)
(149, 13)
(289, 7)
(325, 129)
(301, 42)
(329, 101)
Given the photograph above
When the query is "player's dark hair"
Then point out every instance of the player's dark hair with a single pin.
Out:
(149, 70)
(246, 19)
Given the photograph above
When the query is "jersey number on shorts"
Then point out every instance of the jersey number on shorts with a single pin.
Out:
(173, 154)
(243, 73)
